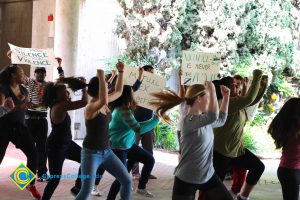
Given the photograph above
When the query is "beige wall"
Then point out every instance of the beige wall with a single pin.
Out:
(15, 27)
(40, 27)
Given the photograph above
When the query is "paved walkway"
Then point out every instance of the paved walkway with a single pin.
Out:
(267, 189)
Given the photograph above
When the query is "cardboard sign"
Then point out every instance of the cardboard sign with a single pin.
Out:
(198, 67)
(150, 83)
(34, 57)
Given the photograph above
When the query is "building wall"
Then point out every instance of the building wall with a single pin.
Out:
(15, 28)
(40, 28)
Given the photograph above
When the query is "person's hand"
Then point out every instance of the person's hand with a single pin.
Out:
(120, 66)
(225, 91)
(100, 71)
(59, 60)
(209, 86)
(9, 103)
(180, 72)
(141, 71)
(9, 54)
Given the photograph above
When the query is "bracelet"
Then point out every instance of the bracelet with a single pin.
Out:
(120, 71)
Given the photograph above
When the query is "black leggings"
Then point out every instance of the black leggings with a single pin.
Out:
(247, 161)
(290, 181)
(18, 134)
(56, 158)
(214, 190)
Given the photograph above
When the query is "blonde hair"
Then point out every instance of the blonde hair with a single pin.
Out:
(167, 99)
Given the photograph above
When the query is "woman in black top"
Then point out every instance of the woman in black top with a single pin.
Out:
(59, 143)
(96, 148)
(13, 128)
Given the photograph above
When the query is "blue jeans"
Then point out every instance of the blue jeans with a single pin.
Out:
(91, 160)
(135, 153)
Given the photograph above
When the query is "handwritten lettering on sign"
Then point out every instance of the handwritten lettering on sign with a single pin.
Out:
(150, 83)
(30, 56)
(198, 67)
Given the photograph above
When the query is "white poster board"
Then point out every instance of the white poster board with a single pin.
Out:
(150, 83)
(34, 57)
(198, 67)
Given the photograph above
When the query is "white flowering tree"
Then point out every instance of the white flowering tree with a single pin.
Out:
(247, 33)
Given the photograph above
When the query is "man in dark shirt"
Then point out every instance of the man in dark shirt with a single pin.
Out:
(143, 114)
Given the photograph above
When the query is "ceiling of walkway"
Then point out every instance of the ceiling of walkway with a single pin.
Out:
(12, 1)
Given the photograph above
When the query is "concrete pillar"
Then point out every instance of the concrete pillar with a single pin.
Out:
(66, 39)
(66, 34)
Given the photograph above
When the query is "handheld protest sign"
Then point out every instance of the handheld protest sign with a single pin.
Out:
(34, 57)
(151, 83)
(198, 67)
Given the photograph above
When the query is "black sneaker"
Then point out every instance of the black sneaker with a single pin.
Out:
(75, 190)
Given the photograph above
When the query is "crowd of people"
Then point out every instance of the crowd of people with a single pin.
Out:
(210, 133)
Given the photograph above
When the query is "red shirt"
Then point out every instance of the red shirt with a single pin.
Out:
(291, 154)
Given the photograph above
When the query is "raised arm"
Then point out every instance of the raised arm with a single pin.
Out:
(213, 102)
(119, 85)
(241, 102)
(94, 106)
(261, 91)
(74, 105)
(139, 128)
(60, 70)
(181, 90)
(136, 86)
(223, 108)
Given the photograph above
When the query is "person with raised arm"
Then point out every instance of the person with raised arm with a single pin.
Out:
(96, 147)
(195, 170)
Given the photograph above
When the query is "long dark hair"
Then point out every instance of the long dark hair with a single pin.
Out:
(126, 99)
(5, 76)
(51, 90)
(167, 99)
(286, 123)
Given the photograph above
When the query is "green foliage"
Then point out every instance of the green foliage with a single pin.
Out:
(166, 137)
(250, 143)
(247, 33)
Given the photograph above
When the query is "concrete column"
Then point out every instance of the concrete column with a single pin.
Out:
(66, 34)
(66, 39)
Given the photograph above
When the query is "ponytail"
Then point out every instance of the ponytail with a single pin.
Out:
(73, 83)
(165, 100)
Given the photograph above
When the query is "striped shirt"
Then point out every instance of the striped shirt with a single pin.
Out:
(35, 90)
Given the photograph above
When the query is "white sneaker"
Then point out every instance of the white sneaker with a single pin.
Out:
(96, 192)
(144, 192)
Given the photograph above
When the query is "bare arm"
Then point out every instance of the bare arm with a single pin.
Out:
(94, 106)
(223, 108)
(119, 85)
(213, 102)
(181, 91)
